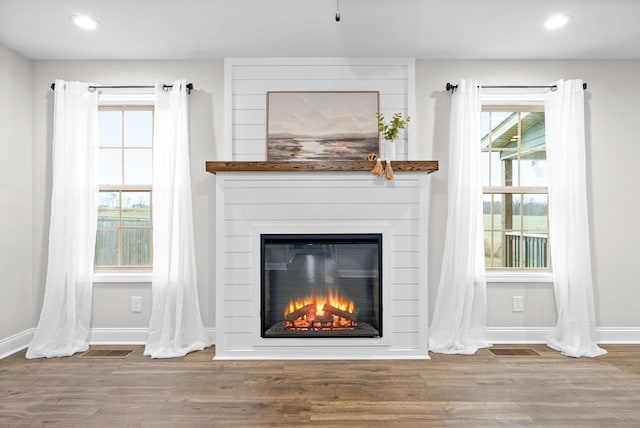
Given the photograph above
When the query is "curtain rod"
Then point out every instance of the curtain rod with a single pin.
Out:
(452, 88)
(93, 88)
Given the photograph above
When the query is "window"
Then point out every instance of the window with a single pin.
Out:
(123, 240)
(514, 176)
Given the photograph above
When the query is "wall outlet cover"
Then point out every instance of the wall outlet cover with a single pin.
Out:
(517, 303)
(136, 304)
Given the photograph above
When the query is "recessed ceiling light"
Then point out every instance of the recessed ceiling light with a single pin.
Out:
(556, 21)
(84, 22)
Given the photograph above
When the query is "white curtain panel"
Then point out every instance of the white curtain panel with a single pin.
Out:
(459, 318)
(574, 334)
(176, 327)
(63, 328)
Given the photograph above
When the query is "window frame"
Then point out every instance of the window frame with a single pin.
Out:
(125, 274)
(507, 101)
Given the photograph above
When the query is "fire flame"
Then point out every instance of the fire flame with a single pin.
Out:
(332, 298)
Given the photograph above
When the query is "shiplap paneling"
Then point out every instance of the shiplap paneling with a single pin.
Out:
(256, 87)
(318, 71)
(237, 292)
(404, 291)
(247, 81)
(251, 203)
(324, 211)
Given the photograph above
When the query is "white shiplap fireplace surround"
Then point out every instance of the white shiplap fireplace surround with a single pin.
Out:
(251, 203)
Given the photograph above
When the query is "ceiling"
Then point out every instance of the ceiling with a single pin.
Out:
(426, 29)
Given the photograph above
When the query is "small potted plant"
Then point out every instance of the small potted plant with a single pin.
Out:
(389, 132)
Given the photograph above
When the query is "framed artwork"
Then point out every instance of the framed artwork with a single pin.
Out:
(322, 125)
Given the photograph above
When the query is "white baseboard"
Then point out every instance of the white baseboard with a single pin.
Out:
(15, 343)
(524, 335)
(516, 335)
(619, 335)
(97, 336)
(118, 336)
(128, 336)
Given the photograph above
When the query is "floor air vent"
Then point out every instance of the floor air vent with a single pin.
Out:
(107, 353)
(514, 352)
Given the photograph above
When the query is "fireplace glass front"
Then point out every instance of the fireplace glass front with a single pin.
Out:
(321, 285)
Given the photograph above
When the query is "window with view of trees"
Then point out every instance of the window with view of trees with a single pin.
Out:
(514, 175)
(123, 239)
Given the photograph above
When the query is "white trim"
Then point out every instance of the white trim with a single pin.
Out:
(523, 276)
(618, 335)
(227, 113)
(125, 99)
(118, 336)
(514, 99)
(250, 357)
(128, 99)
(524, 99)
(122, 277)
(128, 336)
(524, 335)
(97, 336)
(516, 335)
(15, 343)
(411, 108)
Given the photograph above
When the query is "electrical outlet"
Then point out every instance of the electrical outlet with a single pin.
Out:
(517, 303)
(136, 304)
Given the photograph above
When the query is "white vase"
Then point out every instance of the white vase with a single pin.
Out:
(390, 149)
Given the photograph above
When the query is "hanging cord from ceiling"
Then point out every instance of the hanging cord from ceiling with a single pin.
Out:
(337, 10)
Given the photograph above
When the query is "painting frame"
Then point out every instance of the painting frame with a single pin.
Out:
(321, 125)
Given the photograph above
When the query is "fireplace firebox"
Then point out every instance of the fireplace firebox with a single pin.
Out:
(321, 285)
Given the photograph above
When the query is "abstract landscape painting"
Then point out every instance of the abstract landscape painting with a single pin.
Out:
(321, 125)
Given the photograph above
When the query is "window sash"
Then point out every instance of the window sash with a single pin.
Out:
(494, 190)
(120, 230)
(122, 189)
(518, 249)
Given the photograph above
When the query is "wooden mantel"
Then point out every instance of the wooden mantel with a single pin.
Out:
(316, 166)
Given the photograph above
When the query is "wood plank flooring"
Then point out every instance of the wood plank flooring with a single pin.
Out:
(448, 390)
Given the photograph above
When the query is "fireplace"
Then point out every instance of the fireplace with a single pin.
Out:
(285, 211)
(321, 285)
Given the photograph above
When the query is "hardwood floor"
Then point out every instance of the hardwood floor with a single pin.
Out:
(448, 390)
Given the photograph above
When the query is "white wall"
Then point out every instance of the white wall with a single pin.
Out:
(612, 144)
(15, 195)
